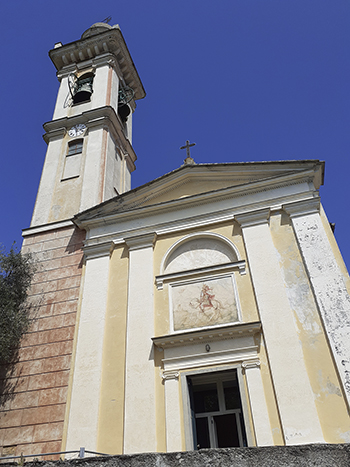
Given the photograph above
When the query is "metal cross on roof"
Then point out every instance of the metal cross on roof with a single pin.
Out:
(187, 146)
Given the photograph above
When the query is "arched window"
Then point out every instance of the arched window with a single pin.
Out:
(83, 88)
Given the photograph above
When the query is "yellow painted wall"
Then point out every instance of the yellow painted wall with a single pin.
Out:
(275, 422)
(190, 186)
(244, 286)
(111, 416)
(249, 310)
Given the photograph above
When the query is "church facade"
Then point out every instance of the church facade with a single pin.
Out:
(207, 308)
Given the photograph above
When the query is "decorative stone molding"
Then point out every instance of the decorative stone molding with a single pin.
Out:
(217, 270)
(205, 335)
(46, 228)
(98, 250)
(302, 208)
(251, 218)
(210, 236)
(167, 375)
(227, 346)
(246, 365)
(140, 241)
(99, 48)
(94, 118)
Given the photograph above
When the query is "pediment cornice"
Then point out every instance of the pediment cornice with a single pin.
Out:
(123, 207)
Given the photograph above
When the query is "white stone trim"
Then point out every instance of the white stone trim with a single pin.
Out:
(228, 346)
(140, 241)
(247, 365)
(260, 416)
(172, 412)
(253, 218)
(140, 402)
(216, 270)
(303, 207)
(186, 402)
(215, 358)
(204, 334)
(85, 400)
(46, 228)
(95, 251)
(167, 375)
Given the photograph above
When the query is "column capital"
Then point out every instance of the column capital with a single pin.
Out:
(248, 219)
(171, 374)
(248, 364)
(302, 208)
(140, 241)
(98, 250)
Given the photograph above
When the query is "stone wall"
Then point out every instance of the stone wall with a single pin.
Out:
(34, 391)
(315, 455)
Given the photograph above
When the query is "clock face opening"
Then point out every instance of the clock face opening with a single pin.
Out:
(77, 130)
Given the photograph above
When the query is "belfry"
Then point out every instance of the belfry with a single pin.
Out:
(207, 308)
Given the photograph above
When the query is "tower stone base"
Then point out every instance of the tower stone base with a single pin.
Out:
(35, 387)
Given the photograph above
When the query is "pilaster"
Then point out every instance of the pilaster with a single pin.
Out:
(260, 416)
(295, 399)
(172, 411)
(85, 396)
(140, 404)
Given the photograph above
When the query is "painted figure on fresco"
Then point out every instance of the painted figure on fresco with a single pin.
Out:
(204, 303)
(207, 303)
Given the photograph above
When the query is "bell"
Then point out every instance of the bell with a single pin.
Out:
(124, 112)
(83, 90)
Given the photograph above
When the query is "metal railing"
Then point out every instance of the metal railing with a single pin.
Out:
(81, 452)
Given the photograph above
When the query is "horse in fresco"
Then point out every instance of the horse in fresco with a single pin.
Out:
(207, 303)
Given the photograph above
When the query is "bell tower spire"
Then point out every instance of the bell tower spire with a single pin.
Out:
(89, 156)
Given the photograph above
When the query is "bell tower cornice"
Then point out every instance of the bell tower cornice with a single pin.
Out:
(95, 46)
(100, 117)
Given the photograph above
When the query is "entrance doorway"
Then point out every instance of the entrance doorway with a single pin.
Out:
(216, 410)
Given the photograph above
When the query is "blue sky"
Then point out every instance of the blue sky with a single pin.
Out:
(247, 80)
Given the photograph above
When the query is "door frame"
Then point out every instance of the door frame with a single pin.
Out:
(188, 426)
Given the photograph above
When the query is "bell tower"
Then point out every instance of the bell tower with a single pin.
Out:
(89, 156)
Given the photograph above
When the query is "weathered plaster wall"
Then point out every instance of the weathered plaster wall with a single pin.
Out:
(32, 418)
(318, 359)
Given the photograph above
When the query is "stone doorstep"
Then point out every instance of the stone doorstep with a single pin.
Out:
(320, 455)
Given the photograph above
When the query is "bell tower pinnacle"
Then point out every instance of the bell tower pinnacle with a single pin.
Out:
(89, 156)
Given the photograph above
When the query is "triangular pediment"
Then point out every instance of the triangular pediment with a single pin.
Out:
(192, 180)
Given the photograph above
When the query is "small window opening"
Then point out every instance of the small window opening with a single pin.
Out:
(83, 88)
(75, 147)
